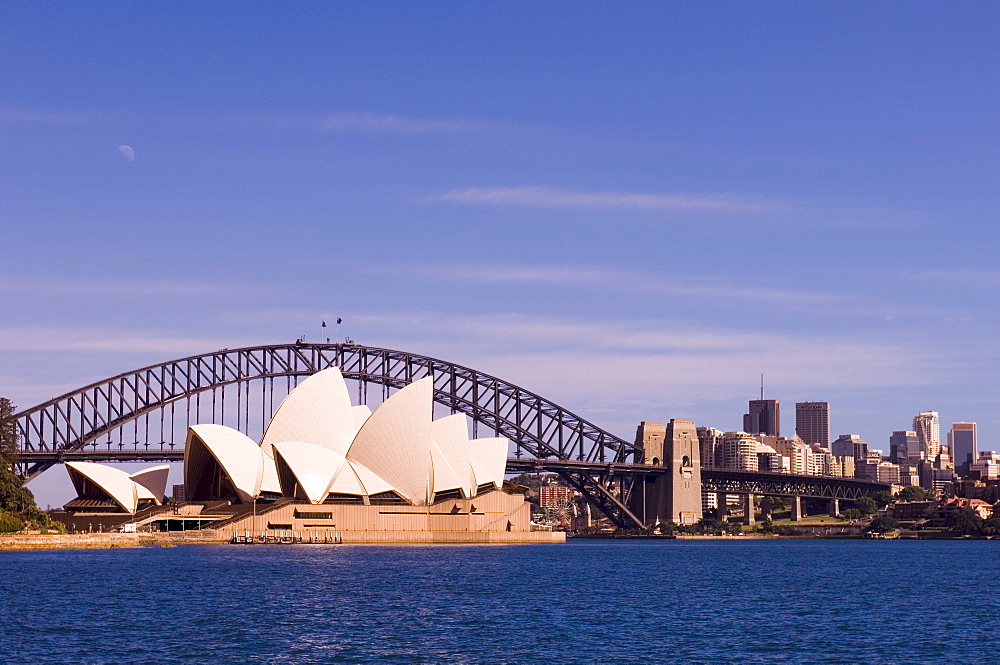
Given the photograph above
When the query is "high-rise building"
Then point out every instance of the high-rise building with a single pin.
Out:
(799, 454)
(901, 444)
(739, 451)
(927, 425)
(554, 497)
(763, 417)
(850, 445)
(963, 445)
(710, 440)
(812, 422)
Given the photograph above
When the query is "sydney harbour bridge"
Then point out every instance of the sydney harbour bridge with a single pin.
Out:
(141, 416)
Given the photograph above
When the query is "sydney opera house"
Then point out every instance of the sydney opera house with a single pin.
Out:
(325, 466)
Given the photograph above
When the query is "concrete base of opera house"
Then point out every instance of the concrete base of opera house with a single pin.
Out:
(495, 517)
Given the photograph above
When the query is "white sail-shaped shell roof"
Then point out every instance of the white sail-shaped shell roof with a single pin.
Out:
(153, 480)
(240, 458)
(394, 442)
(114, 482)
(269, 477)
(356, 478)
(318, 411)
(489, 460)
(442, 475)
(451, 434)
(318, 444)
(312, 466)
(361, 413)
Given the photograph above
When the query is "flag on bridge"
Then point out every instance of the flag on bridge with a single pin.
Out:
(339, 320)
(324, 324)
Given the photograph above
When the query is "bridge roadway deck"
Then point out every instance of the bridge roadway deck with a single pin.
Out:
(725, 481)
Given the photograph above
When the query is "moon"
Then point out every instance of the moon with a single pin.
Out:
(127, 152)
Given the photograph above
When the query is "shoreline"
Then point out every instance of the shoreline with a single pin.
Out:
(105, 541)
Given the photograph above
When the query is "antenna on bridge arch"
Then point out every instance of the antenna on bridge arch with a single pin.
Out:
(762, 385)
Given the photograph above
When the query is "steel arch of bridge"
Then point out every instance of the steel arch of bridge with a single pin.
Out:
(537, 427)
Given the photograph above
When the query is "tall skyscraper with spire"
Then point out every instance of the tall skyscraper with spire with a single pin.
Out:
(812, 422)
(927, 425)
(763, 417)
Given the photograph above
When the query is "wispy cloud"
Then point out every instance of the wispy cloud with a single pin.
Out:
(972, 279)
(14, 116)
(319, 122)
(107, 340)
(50, 286)
(378, 122)
(697, 288)
(552, 197)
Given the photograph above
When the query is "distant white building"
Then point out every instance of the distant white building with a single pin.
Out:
(739, 451)
(927, 425)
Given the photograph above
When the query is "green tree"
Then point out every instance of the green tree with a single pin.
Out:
(851, 514)
(8, 432)
(883, 499)
(15, 498)
(883, 524)
(991, 526)
(9, 523)
(913, 493)
(963, 521)
(866, 505)
(668, 527)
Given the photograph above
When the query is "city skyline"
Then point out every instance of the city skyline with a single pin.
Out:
(634, 211)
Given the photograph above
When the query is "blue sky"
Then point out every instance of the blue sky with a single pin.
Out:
(632, 209)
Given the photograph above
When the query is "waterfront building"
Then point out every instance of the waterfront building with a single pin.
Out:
(393, 475)
(982, 508)
(319, 447)
(963, 445)
(812, 422)
(104, 489)
(927, 426)
(901, 443)
(763, 417)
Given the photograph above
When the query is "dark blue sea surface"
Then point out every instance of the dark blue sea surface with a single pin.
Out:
(719, 601)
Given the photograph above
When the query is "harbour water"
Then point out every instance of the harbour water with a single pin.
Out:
(719, 601)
